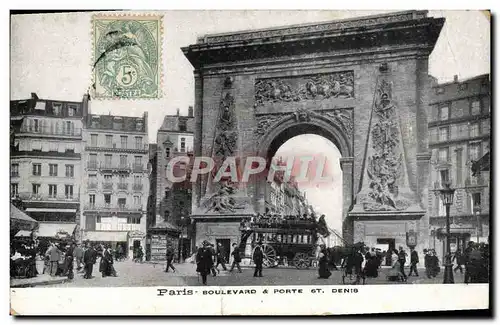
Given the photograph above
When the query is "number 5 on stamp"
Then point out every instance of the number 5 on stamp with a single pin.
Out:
(127, 56)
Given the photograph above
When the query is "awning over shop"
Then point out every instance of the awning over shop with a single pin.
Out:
(23, 233)
(19, 215)
(457, 230)
(56, 230)
(105, 236)
(50, 210)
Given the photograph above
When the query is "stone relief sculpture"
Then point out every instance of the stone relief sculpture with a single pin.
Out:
(221, 201)
(385, 158)
(226, 135)
(321, 86)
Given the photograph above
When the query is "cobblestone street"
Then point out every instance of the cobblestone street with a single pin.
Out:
(134, 275)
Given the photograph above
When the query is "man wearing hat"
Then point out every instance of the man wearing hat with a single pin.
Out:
(236, 258)
(204, 261)
(170, 257)
(258, 258)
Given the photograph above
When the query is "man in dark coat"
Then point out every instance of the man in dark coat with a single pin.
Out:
(89, 259)
(258, 259)
(459, 257)
(428, 263)
(204, 261)
(170, 258)
(402, 261)
(68, 261)
(236, 258)
(221, 257)
(413, 261)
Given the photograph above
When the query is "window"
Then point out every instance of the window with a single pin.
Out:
(474, 149)
(443, 133)
(134, 220)
(137, 200)
(53, 146)
(123, 160)
(98, 219)
(93, 157)
(167, 194)
(138, 125)
(475, 107)
(36, 145)
(70, 148)
(52, 169)
(37, 169)
(122, 179)
(92, 181)
(123, 141)
(36, 125)
(444, 112)
(182, 125)
(138, 142)
(443, 155)
(70, 171)
(107, 198)
(444, 175)
(122, 202)
(69, 127)
(474, 130)
(14, 170)
(107, 160)
(183, 144)
(35, 189)
(137, 160)
(476, 201)
(167, 152)
(56, 107)
(166, 215)
(68, 191)
(93, 140)
(108, 178)
(52, 190)
(92, 199)
(14, 189)
(109, 141)
(71, 110)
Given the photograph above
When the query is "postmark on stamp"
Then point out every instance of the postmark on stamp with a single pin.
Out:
(127, 56)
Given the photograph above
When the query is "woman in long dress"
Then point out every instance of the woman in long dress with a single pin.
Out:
(324, 272)
(395, 272)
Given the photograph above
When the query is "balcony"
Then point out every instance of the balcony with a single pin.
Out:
(138, 187)
(115, 167)
(107, 186)
(51, 131)
(114, 207)
(92, 186)
(475, 181)
(122, 186)
(138, 168)
(48, 197)
(117, 227)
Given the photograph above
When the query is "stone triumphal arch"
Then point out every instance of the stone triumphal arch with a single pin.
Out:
(361, 83)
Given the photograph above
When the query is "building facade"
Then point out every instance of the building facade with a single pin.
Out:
(115, 182)
(172, 209)
(284, 197)
(459, 135)
(46, 149)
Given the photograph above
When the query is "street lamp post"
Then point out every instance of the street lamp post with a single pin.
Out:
(477, 212)
(446, 194)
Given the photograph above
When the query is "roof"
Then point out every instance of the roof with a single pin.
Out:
(171, 123)
(45, 107)
(115, 122)
(481, 165)
(15, 213)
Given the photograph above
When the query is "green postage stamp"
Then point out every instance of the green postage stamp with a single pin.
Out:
(127, 56)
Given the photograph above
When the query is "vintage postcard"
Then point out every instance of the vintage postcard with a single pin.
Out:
(250, 162)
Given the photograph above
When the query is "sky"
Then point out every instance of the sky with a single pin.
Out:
(51, 56)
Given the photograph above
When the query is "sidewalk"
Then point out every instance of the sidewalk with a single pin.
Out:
(39, 280)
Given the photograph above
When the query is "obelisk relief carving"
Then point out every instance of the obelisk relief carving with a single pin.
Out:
(385, 185)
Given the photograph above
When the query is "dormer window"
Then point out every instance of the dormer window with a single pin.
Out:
(72, 109)
(56, 107)
(182, 125)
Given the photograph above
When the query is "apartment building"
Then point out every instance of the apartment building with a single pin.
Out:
(459, 135)
(172, 209)
(115, 183)
(45, 156)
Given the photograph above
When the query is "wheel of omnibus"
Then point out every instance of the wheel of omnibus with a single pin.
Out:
(270, 256)
(301, 261)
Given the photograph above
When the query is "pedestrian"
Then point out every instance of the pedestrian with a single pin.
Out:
(78, 254)
(108, 256)
(89, 259)
(204, 261)
(371, 267)
(402, 261)
(427, 263)
(258, 259)
(323, 271)
(68, 260)
(395, 271)
(214, 257)
(54, 255)
(140, 253)
(459, 258)
(435, 264)
(413, 261)
(221, 257)
(170, 258)
(236, 258)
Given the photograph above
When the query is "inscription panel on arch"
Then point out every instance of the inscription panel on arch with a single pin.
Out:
(323, 86)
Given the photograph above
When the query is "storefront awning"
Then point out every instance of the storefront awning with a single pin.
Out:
(56, 230)
(50, 210)
(17, 214)
(481, 165)
(23, 233)
(105, 236)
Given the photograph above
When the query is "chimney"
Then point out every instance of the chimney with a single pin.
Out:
(178, 112)
(455, 78)
(190, 111)
(34, 96)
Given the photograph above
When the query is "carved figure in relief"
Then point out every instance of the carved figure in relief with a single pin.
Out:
(221, 201)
